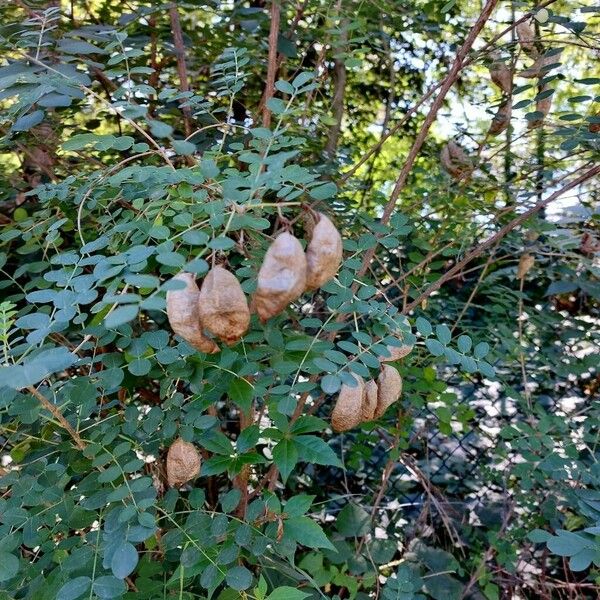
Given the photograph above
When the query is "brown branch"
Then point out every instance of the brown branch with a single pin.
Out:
(55, 412)
(339, 78)
(184, 84)
(272, 65)
(500, 234)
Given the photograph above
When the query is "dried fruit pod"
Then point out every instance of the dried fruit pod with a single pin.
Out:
(526, 36)
(501, 119)
(183, 463)
(323, 253)
(282, 276)
(347, 412)
(184, 314)
(455, 161)
(526, 262)
(369, 402)
(389, 384)
(396, 353)
(543, 107)
(595, 127)
(539, 68)
(501, 75)
(223, 307)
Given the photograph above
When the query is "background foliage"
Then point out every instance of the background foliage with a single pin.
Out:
(142, 138)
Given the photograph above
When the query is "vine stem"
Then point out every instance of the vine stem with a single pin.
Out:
(55, 412)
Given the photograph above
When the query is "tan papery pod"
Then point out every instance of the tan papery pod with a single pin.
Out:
(389, 384)
(396, 353)
(501, 75)
(323, 253)
(347, 412)
(542, 106)
(455, 161)
(540, 67)
(369, 404)
(526, 36)
(184, 314)
(282, 276)
(526, 262)
(183, 463)
(501, 119)
(223, 307)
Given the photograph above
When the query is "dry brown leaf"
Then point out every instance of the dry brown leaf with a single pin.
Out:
(183, 463)
(347, 412)
(282, 276)
(223, 307)
(369, 402)
(323, 254)
(526, 262)
(184, 314)
(389, 384)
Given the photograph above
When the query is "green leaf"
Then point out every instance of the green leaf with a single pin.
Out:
(443, 334)
(239, 578)
(75, 588)
(183, 147)
(287, 593)
(330, 384)
(353, 521)
(423, 326)
(464, 343)
(313, 449)
(306, 532)
(121, 315)
(285, 456)
(434, 347)
(241, 392)
(108, 586)
(124, 560)
(9, 566)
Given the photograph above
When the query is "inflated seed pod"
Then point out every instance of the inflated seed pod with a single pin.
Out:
(323, 253)
(369, 403)
(455, 161)
(183, 463)
(540, 67)
(501, 119)
(526, 36)
(396, 353)
(526, 262)
(389, 385)
(501, 75)
(543, 107)
(223, 307)
(184, 314)
(282, 276)
(347, 412)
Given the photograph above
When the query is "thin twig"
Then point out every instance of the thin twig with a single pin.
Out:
(55, 412)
